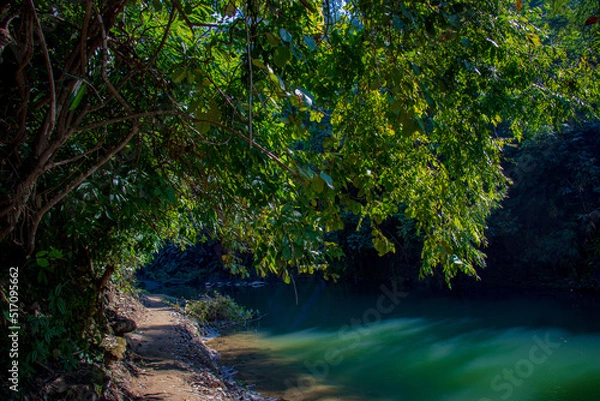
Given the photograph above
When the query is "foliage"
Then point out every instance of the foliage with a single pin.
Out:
(547, 228)
(191, 265)
(262, 124)
(197, 121)
(218, 310)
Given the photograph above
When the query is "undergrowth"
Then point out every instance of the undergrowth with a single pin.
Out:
(219, 310)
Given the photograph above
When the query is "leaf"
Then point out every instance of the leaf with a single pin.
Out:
(282, 56)
(415, 68)
(77, 98)
(591, 20)
(318, 185)
(286, 253)
(203, 126)
(62, 307)
(327, 179)
(306, 98)
(286, 277)
(230, 10)
(259, 63)
(456, 260)
(272, 40)
(214, 113)
(42, 262)
(285, 35)
(178, 75)
(519, 5)
(535, 39)
(310, 42)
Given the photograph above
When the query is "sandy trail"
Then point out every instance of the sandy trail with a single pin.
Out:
(168, 360)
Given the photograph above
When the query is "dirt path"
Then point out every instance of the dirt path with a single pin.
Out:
(168, 360)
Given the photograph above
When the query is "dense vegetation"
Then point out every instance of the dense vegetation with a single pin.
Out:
(266, 125)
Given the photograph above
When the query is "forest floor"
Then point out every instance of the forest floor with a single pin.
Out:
(167, 358)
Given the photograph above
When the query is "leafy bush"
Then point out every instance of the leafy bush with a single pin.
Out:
(218, 310)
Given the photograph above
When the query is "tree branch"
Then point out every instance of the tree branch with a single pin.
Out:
(50, 119)
(249, 55)
(50, 166)
(74, 184)
(84, 35)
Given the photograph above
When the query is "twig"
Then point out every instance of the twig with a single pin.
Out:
(51, 117)
(163, 41)
(50, 166)
(84, 35)
(110, 86)
(249, 54)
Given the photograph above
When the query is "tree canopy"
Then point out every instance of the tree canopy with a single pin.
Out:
(264, 124)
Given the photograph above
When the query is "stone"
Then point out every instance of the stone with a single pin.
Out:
(114, 346)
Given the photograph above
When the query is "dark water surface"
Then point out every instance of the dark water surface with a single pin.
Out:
(345, 343)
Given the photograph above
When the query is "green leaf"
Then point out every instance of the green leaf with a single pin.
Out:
(230, 9)
(318, 185)
(272, 40)
(56, 254)
(43, 262)
(62, 307)
(286, 253)
(286, 277)
(282, 56)
(78, 97)
(259, 63)
(285, 35)
(535, 39)
(179, 75)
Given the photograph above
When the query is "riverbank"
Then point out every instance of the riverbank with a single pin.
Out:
(168, 359)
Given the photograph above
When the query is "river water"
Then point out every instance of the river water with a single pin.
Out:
(380, 344)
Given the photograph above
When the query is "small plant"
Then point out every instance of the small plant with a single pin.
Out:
(218, 310)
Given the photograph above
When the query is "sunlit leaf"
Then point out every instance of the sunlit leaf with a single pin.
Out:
(259, 63)
(285, 35)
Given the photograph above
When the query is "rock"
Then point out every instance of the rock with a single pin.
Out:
(114, 346)
(123, 325)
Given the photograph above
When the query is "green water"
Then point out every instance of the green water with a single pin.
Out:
(348, 344)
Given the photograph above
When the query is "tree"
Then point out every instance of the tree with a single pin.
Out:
(412, 90)
(261, 122)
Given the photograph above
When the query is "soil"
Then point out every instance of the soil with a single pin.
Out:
(168, 359)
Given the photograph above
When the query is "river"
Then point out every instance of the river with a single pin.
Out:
(340, 342)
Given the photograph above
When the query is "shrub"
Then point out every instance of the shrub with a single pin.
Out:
(218, 310)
